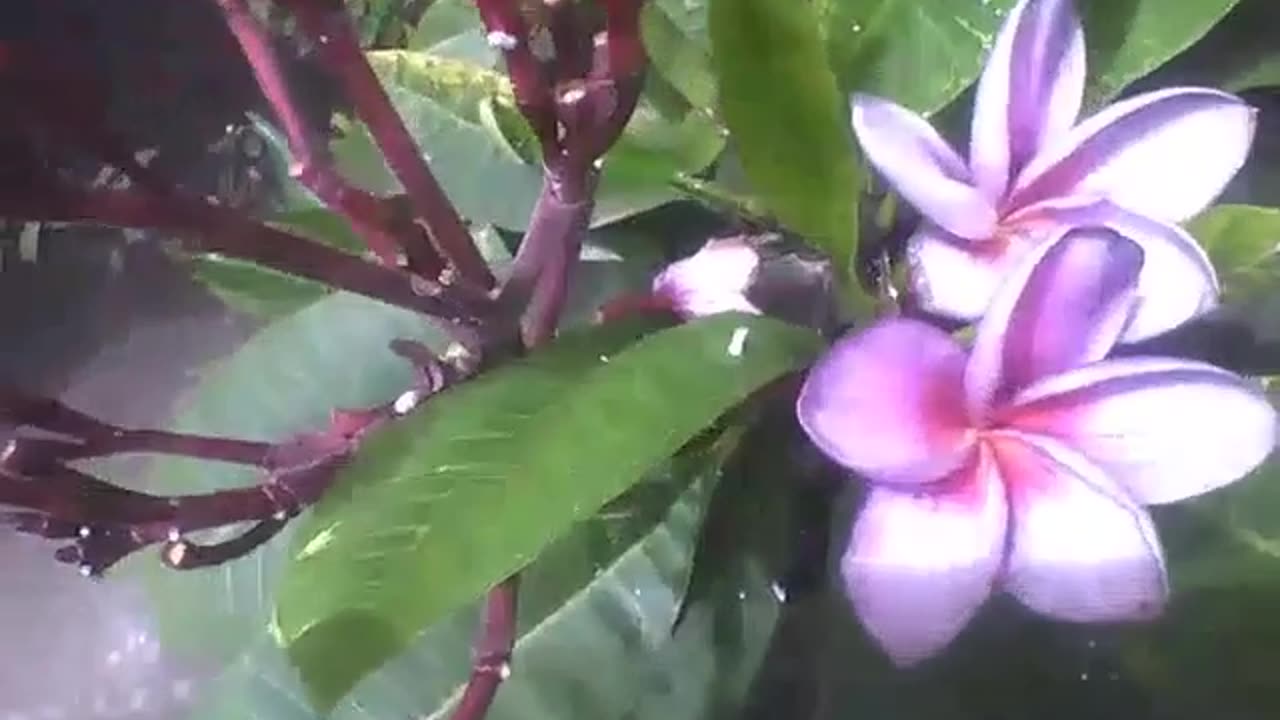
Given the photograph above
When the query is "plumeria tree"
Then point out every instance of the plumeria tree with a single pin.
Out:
(663, 359)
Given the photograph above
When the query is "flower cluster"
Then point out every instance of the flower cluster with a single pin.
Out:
(1022, 463)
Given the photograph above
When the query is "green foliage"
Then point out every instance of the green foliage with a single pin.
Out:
(920, 53)
(1241, 241)
(443, 505)
(781, 103)
(1129, 38)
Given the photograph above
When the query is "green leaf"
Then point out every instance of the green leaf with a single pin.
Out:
(920, 53)
(439, 100)
(1129, 38)
(594, 637)
(678, 57)
(787, 118)
(1215, 650)
(523, 452)
(1241, 241)
(452, 28)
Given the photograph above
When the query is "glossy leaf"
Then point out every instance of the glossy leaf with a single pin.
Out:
(1130, 38)
(1241, 241)
(601, 597)
(442, 506)
(920, 53)
(787, 118)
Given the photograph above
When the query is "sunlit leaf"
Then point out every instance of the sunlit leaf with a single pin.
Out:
(523, 452)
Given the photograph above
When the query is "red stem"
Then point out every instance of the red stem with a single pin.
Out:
(313, 165)
(491, 663)
(331, 28)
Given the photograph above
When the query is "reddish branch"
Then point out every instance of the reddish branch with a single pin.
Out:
(105, 522)
(313, 165)
(327, 23)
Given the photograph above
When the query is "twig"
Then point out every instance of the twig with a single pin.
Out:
(106, 522)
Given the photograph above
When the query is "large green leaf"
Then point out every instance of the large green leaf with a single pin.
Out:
(593, 641)
(443, 505)
(1241, 241)
(787, 118)
(1129, 38)
(920, 53)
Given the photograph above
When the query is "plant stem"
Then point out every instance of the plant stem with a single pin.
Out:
(213, 229)
(313, 165)
(491, 663)
(331, 28)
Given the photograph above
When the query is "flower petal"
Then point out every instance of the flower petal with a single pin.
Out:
(1177, 281)
(1166, 429)
(1166, 154)
(1080, 549)
(887, 403)
(713, 280)
(920, 565)
(1065, 305)
(1029, 93)
(921, 166)
(956, 278)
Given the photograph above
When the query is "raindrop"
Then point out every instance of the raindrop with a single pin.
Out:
(856, 27)
(504, 670)
(1084, 677)
(407, 401)
(779, 592)
(174, 535)
(114, 657)
(85, 531)
(742, 594)
(501, 40)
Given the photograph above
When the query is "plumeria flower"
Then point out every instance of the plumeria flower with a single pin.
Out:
(1138, 166)
(713, 280)
(1022, 463)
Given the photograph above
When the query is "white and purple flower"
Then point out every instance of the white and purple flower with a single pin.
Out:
(1022, 464)
(1137, 166)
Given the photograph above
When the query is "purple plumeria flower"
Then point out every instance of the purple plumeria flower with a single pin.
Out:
(1022, 464)
(1137, 166)
(713, 280)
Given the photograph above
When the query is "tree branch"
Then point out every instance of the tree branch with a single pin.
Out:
(313, 165)
(328, 24)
